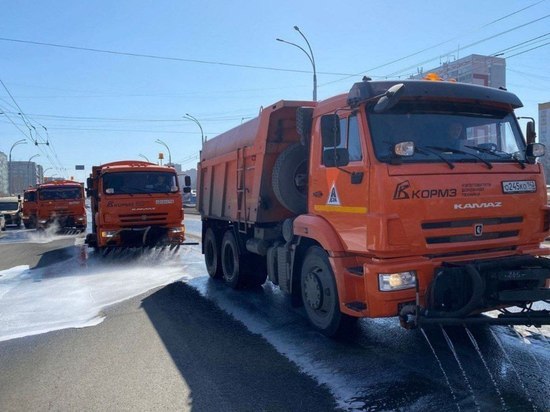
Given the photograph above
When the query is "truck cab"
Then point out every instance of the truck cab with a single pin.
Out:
(135, 204)
(60, 203)
(30, 208)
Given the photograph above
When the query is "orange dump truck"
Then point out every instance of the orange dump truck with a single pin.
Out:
(59, 202)
(375, 204)
(30, 207)
(134, 204)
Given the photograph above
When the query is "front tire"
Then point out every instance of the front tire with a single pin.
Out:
(320, 295)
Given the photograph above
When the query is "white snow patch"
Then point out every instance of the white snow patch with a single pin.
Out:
(72, 294)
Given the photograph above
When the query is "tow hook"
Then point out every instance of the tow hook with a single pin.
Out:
(408, 317)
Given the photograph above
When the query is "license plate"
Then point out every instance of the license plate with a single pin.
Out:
(519, 186)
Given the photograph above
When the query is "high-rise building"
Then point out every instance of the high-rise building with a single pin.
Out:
(4, 185)
(544, 136)
(21, 176)
(475, 69)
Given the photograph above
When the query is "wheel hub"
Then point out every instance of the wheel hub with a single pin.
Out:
(313, 291)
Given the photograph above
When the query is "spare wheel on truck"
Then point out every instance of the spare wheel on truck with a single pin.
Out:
(289, 178)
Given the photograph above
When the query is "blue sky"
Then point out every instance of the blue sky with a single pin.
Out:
(99, 107)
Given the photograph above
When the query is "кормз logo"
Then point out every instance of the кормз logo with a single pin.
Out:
(400, 190)
(403, 191)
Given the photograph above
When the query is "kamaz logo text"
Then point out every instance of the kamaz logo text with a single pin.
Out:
(484, 205)
(402, 192)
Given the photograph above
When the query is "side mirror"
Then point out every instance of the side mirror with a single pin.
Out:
(330, 130)
(390, 98)
(187, 181)
(336, 157)
(535, 150)
(530, 133)
(90, 192)
(186, 189)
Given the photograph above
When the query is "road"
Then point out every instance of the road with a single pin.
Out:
(162, 336)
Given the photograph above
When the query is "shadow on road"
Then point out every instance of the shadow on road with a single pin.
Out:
(226, 366)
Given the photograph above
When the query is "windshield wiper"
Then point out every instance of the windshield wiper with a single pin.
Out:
(426, 150)
(457, 151)
(499, 154)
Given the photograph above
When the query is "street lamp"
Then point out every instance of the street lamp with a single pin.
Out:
(10, 167)
(29, 166)
(309, 56)
(194, 119)
(145, 157)
(167, 148)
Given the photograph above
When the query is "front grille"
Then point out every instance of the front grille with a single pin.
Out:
(470, 238)
(457, 235)
(470, 222)
(60, 212)
(144, 218)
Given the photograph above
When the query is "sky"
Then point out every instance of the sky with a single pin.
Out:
(104, 81)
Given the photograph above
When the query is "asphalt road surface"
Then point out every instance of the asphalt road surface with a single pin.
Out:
(168, 349)
(194, 344)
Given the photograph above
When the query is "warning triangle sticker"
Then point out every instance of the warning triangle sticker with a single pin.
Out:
(333, 198)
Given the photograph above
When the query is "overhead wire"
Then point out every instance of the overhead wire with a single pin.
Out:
(30, 126)
(429, 48)
(401, 71)
(152, 56)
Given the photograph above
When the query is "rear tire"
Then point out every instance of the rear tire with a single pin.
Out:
(212, 254)
(231, 261)
(241, 269)
(320, 295)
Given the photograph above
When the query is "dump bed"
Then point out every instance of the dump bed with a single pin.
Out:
(235, 171)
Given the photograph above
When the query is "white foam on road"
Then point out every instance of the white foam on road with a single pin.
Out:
(73, 293)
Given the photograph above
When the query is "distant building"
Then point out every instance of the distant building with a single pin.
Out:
(39, 173)
(544, 136)
(176, 166)
(4, 181)
(475, 69)
(21, 176)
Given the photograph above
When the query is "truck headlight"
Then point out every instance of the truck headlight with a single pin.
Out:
(396, 281)
(42, 221)
(179, 229)
(81, 218)
(108, 233)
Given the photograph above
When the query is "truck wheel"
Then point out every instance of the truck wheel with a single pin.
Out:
(231, 262)
(320, 295)
(212, 254)
(289, 178)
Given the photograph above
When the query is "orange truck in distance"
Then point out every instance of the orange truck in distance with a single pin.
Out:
(60, 202)
(30, 207)
(135, 204)
(419, 199)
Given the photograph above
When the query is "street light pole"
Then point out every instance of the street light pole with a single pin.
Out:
(167, 148)
(309, 56)
(44, 173)
(194, 120)
(10, 167)
(145, 157)
(29, 166)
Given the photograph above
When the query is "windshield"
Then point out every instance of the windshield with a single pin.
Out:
(29, 196)
(60, 193)
(447, 132)
(139, 182)
(9, 205)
